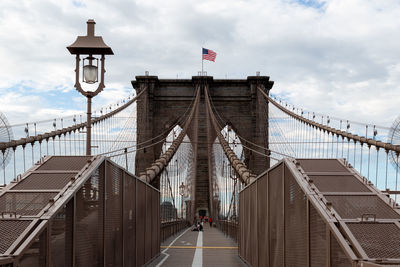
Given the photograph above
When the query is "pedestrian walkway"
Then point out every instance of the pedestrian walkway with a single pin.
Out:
(207, 248)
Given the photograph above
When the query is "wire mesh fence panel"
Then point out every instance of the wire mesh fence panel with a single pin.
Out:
(140, 222)
(10, 231)
(262, 217)
(343, 183)
(247, 232)
(317, 237)
(71, 163)
(155, 201)
(25, 203)
(106, 217)
(113, 215)
(129, 220)
(337, 256)
(35, 254)
(253, 223)
(242, 222)
(148, 228)
(276, 217)
(353, 206)
(322, 165)
(89, 222)
(295, 222)
(44, 181)
(61, 236)
(378, 240)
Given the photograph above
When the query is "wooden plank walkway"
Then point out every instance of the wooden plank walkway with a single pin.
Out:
(208, 248)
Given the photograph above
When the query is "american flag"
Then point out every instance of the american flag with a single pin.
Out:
(209, 54)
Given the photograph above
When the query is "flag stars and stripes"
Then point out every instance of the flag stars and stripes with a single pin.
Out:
(208, 54)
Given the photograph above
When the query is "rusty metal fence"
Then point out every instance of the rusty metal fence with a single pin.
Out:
(317, 213)
(91, 213)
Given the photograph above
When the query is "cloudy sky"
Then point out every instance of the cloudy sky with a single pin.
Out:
(338, 57)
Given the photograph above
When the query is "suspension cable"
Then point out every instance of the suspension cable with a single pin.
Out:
(53, 134)
(247, 141)
(155, 169)
(180, 120)
(244, 173)
(336, 118)
(343, 134)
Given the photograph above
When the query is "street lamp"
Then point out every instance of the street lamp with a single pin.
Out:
(88, 46)
(182, 193)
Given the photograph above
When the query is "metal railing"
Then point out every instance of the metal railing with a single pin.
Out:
(316, 212)
(229, 228)
(172, 228)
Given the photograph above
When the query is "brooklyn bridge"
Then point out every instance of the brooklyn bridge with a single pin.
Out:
(271, 183)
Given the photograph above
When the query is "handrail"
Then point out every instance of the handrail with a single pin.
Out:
(356, 138)
(40, 137)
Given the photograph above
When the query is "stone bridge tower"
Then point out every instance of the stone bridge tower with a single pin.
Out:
(238, 103)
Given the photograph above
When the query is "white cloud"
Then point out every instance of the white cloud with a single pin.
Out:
(340, 58)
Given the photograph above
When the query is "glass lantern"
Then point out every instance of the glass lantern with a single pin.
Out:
(90, 71)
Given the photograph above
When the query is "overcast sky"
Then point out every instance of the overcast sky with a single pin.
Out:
(338, 57)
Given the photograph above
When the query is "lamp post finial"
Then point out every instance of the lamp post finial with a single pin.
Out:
(90, 27)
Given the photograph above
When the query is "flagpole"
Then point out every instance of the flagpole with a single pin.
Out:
(202, 61)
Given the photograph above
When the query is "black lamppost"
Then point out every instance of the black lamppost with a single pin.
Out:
(88, 46)
(182, 188)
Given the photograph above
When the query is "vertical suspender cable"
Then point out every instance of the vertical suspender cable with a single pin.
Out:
(361, 157)
(4, 166)
(40, 149)
(33, 159)
(387, 161)
(369, 159)
(23, 152)
(321, 141)
(15, 168)
(377, 161)
(54, 148)
(397, 172)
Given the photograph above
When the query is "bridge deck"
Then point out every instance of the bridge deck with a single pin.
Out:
(191, 248)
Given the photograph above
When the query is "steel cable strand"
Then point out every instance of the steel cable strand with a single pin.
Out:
(343, 134)
(133, 146)
(249, 142)
(53, 134)
(131, 151)
(283, 139)
(261, 153)
(221, 121)
(280, 140)
(161, 135)
(338, 119)
(156, 168)
(125, 130)
(244, 173)
(180, 120)
(36, 123)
